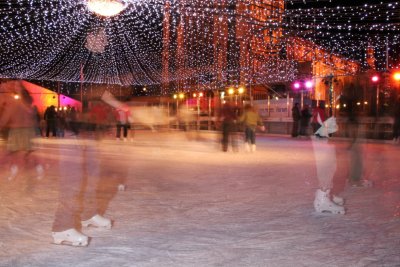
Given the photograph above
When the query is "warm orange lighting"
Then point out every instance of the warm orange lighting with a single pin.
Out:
(175, 96)
(106, 8)
(194, 95)
(240, 90)
(16, 96)
(181, 95)
(231, 91)
(396, 76)
(201, 94)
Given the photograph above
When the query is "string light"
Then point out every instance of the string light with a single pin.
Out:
(186, 42)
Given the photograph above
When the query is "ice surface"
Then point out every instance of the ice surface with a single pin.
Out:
(187, 203)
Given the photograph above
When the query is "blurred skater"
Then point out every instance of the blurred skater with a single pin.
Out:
(396, 122)
(79, 181)
(50, 116)
(305, 120)
(228, 118)
(318, 114)
(251, 120)
(356, 165)
(325, 159)
(296, 116)
(19, 116)
(122, 115)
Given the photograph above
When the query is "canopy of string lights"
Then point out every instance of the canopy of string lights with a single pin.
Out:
(140, 42)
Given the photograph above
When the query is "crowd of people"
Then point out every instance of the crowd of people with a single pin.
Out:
(80, 167)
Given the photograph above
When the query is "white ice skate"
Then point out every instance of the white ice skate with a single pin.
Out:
(98, 221)
(70, 237)
(246, 147)
(121, 187)
(253, 148)
(323, 203)
(13, 172)
(338, 200)
(40, 172)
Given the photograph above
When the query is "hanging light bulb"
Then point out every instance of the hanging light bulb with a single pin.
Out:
(106, 8)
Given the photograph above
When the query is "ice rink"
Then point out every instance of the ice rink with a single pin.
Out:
(187, 203)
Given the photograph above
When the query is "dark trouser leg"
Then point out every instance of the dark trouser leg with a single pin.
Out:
(295, 129)
(225, 136)
(125, 126)
(118, 130)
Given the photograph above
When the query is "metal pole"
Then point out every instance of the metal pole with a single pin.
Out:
(81, 85)
(377, 100)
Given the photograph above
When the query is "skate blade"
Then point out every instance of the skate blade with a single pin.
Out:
(71, 244)
(342, 212)
(94, 226)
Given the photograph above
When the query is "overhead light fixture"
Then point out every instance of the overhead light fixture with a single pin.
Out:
(106, 8)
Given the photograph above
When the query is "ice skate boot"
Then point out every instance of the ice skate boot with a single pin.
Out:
(121, 187)
(13, 172)
(70, 237)
(323, 203)
(246, 147)
(338, 200)
(40, 172)
(253, 148)
(98, 221)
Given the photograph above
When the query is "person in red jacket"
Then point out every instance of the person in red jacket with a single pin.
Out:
(318, 111)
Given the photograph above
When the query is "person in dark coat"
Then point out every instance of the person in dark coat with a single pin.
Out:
(396, 122)
(296, 119)
(305, 120)
(50, 116)
(228, 117)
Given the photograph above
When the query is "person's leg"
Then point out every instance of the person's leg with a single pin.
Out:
(67, 220)
(295, 128)
(325, 159)
(225, 136)
(125, 126)
(47, 128)
(54, 128)
(118, 135)
(91, 212)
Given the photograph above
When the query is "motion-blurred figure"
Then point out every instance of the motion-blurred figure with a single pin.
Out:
(228, 118)
(187, 119)
(296, 116)
(250, 120)
(318, 111)
(396, 122)
(356, 163)
(305, 120)
(325, 159)
(122, 115)
(80, 179)
(50, 116)
(19, 116)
